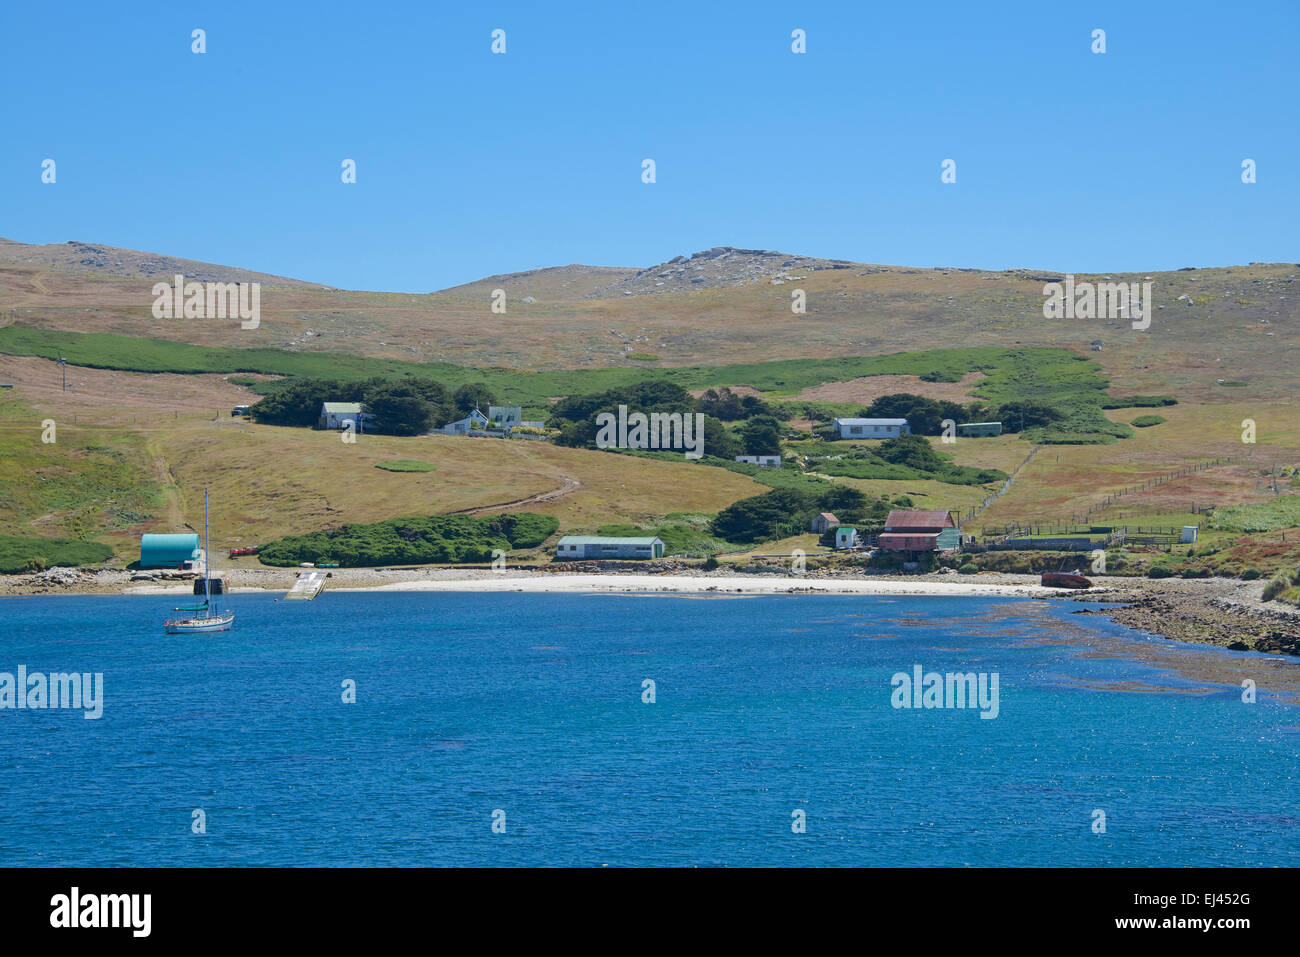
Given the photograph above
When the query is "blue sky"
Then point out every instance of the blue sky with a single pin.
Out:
(470, 164)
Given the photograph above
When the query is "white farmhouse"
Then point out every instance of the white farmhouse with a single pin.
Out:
(336, 415)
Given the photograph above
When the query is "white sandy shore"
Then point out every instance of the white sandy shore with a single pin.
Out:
(748, 585)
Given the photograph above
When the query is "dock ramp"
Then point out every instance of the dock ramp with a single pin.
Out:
(307, 587)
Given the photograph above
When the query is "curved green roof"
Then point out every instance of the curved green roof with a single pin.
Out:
(167, 551)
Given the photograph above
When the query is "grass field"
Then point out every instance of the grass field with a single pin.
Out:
(1057, 377)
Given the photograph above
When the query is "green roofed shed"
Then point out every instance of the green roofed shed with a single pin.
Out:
(168, 551)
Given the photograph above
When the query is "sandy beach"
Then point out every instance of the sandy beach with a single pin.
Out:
(732, 584)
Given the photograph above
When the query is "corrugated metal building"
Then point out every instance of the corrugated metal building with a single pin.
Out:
(168, 551)
(919, 530)
(980, 428)
(603, 546)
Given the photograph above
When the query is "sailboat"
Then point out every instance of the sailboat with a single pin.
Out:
(202, 618)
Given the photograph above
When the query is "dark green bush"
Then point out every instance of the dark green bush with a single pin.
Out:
(1160, 571)
(970, 568)
(22, 554)
(436, 539)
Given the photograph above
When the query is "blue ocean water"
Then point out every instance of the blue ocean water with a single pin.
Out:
(468, 704)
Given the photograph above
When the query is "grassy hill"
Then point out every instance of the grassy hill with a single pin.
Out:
(145, 425)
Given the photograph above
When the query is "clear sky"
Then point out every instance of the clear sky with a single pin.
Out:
(470, 163)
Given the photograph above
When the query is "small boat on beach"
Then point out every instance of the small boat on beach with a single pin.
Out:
(202, 618)
(1065, 580)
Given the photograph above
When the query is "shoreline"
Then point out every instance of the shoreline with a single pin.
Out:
(1227, 613)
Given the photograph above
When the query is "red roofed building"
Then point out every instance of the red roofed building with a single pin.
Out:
(824, 522)
(919, 530)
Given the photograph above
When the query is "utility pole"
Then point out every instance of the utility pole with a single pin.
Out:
(63, 365)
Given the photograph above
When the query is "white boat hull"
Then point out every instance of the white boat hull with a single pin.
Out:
(199, 626)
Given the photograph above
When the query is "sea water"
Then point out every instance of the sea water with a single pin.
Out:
(557, 729)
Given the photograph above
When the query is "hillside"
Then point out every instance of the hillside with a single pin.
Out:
(96, 260)
(1236, 323)
(135, 445)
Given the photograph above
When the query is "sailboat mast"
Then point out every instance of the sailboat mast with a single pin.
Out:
(207, 561)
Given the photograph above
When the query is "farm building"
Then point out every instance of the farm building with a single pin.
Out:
(767, 461)
(823, 522)
(506, 416)
(980, 428)
(335, 415)
(603, 546)
(168, 551)
(872, 428)
(475, 420)
(846, 536)
(919, 530)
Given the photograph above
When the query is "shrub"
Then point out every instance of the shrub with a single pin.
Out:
(1160, 571)
(710, 563)
(1146, 421)
(1276, 585)
(970, 568)
(1249, 574)
(413, 541)
(20, 554)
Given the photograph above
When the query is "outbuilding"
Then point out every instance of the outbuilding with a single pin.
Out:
(824, 522)
(974, 429)
(168, 551)
(872, 428)
(474, 422)
(605, 546)
(846, 536)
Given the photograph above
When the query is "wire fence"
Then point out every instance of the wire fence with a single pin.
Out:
(1006, 487)
(1116, 497)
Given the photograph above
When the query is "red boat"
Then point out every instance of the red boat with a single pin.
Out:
(1065, 580)
(236, 552)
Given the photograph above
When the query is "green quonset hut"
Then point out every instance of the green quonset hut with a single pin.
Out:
(168, 551)
(980, 428)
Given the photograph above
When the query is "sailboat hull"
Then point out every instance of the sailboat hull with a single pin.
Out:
(199, 626)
